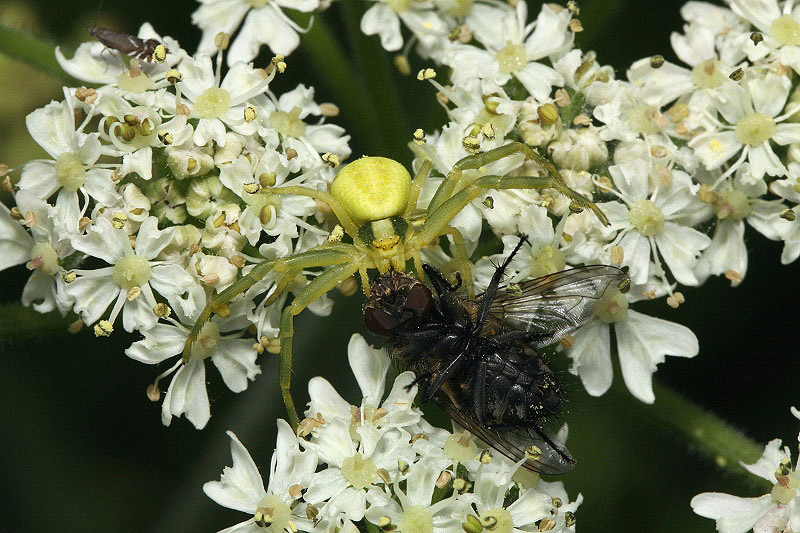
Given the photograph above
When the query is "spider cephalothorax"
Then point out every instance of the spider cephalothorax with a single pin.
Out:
(375, 201)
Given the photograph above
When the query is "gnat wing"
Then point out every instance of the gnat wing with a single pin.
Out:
(555, 305)
(544, 455)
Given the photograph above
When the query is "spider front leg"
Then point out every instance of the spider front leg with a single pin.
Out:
(462, 258)
(316, 257)
(448, 185)
(316, 289)
(439, 219)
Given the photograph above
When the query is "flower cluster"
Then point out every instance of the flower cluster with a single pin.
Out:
(156, 195)
(382, 463)
(777, 511)
(680, 158)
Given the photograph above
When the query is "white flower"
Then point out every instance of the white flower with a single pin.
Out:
(513, 48)
(219, 103)
(75, 155)
(383, 19)
(240, 487)
(234, 358)
(265, 23)
(651, 221)
(642, 343)
(776, 511)
(128, 284)
(753, 111)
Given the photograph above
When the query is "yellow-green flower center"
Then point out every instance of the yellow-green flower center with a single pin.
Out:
(612, 307)
(213, 103)
(497, 520)
(786, 30)
(546, 261)
(459, 447)
(755, 129)
(288, 124)
(206, 342)
(732, 204)
(131, 271)
(646, 217)
(45, 258)
(70, 171)
(137, 82)
(359, 472)
(707, 75)
(258, 3)
(512, 58)
(272, 514)
(417, 519)
(644, 119)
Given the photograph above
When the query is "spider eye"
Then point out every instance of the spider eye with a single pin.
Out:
(419, 300)
(380, 322)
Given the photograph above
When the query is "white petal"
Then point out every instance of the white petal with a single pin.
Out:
(187, 394)
(240, 487)
(732, 513)
(53, 127)
(769, 461)
(643, 342)
(369, 367)
(159, 343)
(15, 241)
(325, 400)
(591, 356)
(236, 361)
(382, 20)
(680, 246)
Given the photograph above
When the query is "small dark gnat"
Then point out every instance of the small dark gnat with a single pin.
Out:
(479, 359)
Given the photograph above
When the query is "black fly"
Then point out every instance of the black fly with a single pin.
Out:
(478, 359)
(145, 49)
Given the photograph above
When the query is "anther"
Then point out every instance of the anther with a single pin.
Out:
(485, 457)
(737, 74)
(250, 113)
(162, 310)
(547, 524)
(756, 37)
(787, 214)
(656, 61)
(548, 114)
(426, 74)
(330, 159)
(419, 136)
(87, 96)
(165, 137)
(75, 327)
(103, 329)
(444, 479)
(471, 144)
(574, 8)
(159, 53)
(328, 109)
(174, 76)
(575, 26)
(401, 64)
(472, 524)
(488, 202)
(222, 40)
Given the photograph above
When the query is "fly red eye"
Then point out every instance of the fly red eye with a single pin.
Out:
(419, 299)
(379, 322)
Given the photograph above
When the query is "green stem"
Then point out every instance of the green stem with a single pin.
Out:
(374, 67)
(347, 86)
(23, 46)
(704, 431)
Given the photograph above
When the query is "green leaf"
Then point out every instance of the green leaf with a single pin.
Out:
(23, 46)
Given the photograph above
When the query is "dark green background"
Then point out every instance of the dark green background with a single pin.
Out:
(82, 449)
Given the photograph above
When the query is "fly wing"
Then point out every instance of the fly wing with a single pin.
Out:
(555, 305)
(543, 453)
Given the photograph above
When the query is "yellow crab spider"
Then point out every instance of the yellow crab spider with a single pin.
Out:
(375, 200)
